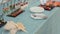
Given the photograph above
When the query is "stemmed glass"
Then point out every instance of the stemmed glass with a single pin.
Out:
(1, 16)
(5, 8)
(12, 5)
(2, 21)
(42, 2)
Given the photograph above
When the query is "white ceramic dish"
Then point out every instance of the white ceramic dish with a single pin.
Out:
(37, 9)
(39, 16)
(4, 1)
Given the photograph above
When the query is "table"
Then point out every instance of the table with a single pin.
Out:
(33, 26)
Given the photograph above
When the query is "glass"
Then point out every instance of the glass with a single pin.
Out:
(11, 6)
(2, 22)
(1, 16)
(42, 2)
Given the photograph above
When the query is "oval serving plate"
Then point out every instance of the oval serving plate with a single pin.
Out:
(37, 9)
(3, 1)
(39, 16)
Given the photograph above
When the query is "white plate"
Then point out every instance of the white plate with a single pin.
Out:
(39, 16)
(37, 9)
(4, 1)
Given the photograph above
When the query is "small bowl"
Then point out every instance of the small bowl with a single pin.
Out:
(39, 16)
(37, 9)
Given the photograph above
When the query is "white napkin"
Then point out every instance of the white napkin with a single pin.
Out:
(10, 25)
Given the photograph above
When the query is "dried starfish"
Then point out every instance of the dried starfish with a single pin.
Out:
(21, 27)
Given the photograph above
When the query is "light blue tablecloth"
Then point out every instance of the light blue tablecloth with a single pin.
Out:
(31, 25)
